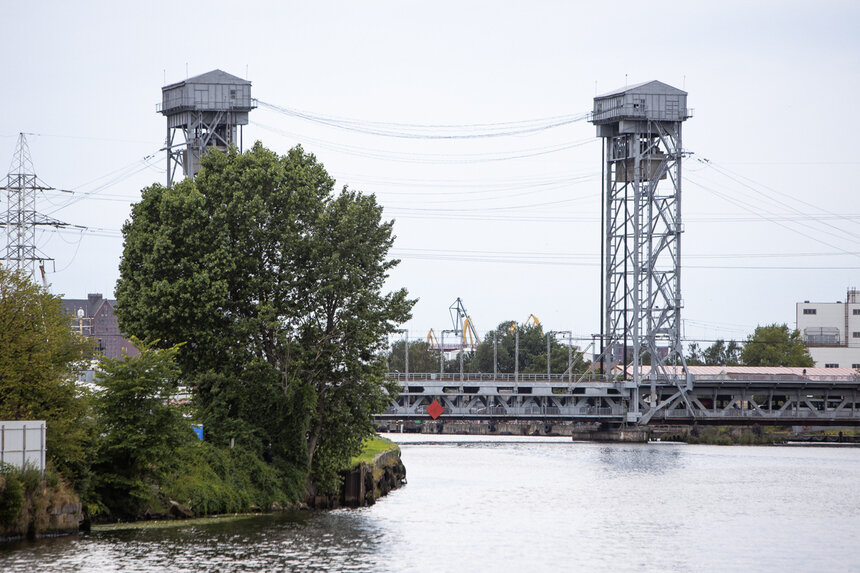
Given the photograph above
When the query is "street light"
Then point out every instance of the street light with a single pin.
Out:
(406, 347)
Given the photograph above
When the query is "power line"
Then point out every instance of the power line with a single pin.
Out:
(431, 131)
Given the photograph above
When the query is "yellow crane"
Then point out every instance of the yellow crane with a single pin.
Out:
(432, 341)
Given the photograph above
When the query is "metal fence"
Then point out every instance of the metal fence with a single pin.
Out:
(22, 444)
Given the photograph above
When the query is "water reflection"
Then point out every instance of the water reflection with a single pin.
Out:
(644, 459)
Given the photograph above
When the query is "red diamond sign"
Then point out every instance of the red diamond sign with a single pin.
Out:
(434, 409)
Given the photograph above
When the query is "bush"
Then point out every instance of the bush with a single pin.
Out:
(11, 495)
(210, 479)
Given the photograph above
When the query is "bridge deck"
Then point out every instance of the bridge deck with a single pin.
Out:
(774, 398)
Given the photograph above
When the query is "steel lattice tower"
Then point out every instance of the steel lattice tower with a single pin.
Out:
(642, 153)
(206, 111)
(21, 217)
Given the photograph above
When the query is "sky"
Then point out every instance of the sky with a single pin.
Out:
(509, 224)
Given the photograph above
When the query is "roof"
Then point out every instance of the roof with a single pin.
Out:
(91, 305)
(706, 371)
(213, 77)
(652, 87)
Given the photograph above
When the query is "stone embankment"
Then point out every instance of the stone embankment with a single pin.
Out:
(37, 510)
(366, 482)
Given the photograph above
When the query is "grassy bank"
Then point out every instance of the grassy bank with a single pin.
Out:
(371, 448)
(34, 504)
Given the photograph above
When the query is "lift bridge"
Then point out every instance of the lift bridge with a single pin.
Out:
(723, 397)
(641, 304)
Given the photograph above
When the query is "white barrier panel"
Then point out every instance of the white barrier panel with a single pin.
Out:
(23, 444)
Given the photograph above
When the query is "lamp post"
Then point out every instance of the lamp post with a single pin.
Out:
(442, 353)
(406, 347)
(569, 334)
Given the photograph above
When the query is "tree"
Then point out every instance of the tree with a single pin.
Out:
(39, 359)
(275, 284)
(422, 357)
(532, 351)
(694, 355)
(719, 353)
(776, 345)
(139, 428)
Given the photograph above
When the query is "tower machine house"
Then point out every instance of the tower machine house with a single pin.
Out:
(203, 112)
(641, 252)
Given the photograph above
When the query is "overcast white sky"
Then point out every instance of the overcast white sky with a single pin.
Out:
(772, 220)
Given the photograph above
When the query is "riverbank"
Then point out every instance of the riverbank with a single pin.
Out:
(754, 434)
(34, 505)
(374, 473)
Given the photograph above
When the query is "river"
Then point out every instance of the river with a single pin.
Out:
(526, 504)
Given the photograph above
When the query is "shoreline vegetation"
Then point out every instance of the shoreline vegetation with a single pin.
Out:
(33, 505)
(255, 296)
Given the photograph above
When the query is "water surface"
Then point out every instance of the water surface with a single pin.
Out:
(538, 504)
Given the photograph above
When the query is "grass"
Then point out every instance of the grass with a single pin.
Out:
(371, 448)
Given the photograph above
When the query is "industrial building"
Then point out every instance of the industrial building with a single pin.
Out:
(831, 331)
(94, 318)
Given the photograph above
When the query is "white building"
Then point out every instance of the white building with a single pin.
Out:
(831, 331)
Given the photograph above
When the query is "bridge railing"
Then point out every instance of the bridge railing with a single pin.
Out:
(511, 411)
(489, 377)
(578, 378)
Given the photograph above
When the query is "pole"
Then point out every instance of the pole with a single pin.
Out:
(570, 357)
(406, 345)
(547, 353)
(495, 355)
(442, 356)
(517, 356)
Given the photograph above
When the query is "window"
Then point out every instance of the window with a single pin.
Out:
(855, 335)
(856, 312)
(809, 311)
(831, 366)
(855, 366)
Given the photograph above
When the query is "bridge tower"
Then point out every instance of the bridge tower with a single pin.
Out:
(208, 111)
(641, 252)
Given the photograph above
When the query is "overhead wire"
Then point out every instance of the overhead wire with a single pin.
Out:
(774, 195)
(431, 131)
(764, 215)
(426, 158)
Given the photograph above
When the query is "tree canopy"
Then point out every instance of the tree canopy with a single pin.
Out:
(422, 357)
(39, 359)
(776, 345)
(275, 285)
(720, 353)
(139, 427)
(532, 351)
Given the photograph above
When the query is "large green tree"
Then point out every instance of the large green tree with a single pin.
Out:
(532, 351)
(776, 345)
(39, 359)
(275, 284)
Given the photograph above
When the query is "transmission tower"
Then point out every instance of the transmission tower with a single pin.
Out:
(642, 152)
(21, 217)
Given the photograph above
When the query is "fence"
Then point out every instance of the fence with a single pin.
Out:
(23, 444)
